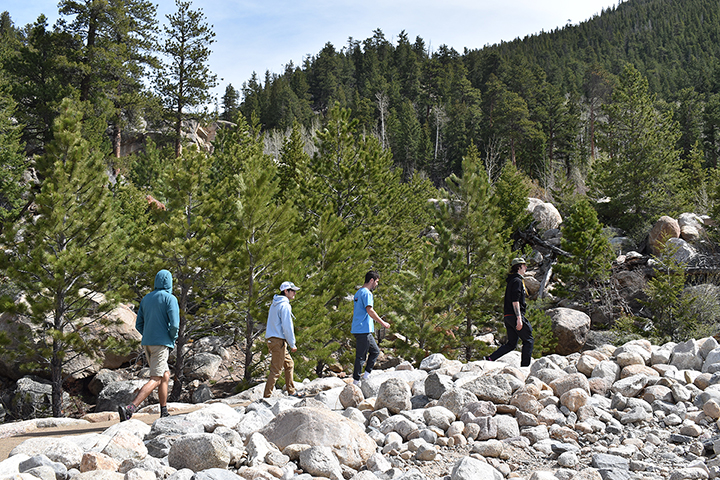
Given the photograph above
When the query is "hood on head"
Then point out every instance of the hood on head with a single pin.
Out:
(163, 280)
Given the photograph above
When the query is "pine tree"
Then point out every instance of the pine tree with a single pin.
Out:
(67, 253)
(118, 40)
(266, 250)
(185, 81)
(592, 255)
(479, 250)
(423, 306)
(11, 158)
(511, 191)
(193, 239)
(230, 103)
(640, 170)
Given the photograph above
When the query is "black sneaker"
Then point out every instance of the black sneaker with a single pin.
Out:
(164, 413)
(125, 412)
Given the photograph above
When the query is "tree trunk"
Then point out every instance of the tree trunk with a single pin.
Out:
(56, 380)
(179, 347)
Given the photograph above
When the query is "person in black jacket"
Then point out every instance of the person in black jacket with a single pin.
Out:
(516, 324)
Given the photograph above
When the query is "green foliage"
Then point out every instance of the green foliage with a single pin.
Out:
(640, 170)
(185, 80)
(545, 341)
(11, 159)
(673, 316)
(193, 239)
(590, 250)
(511, 190)
(478, 250)
(423, 307)
(69, 252)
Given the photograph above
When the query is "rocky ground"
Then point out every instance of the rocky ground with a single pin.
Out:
(634, 412)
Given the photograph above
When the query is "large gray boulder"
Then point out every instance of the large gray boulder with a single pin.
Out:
(570, 328)
(198, 452)
(394, 394)
(319, 427)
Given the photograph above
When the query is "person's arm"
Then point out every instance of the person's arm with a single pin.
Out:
(173, 313)
(140, 320)
(287, 327)
(373, 314)
(518, 315)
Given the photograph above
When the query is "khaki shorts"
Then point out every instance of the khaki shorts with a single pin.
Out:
(157, 357)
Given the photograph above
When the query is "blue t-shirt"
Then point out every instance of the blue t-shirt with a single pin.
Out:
(362, 323)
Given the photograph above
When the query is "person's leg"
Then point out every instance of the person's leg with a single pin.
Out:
(276, 346)
(157, 360)
(528, 342)
(163, 389)
(373, 352)
(289, 366)
(512, 341)
(361, 351)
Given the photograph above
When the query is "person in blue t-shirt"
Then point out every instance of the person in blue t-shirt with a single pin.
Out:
(363, 327)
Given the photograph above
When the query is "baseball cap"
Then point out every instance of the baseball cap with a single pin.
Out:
(288, 286)
(517, 261)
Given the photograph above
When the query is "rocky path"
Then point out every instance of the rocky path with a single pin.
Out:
(637, 412)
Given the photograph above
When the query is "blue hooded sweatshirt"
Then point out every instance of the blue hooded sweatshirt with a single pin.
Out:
(280, 320)
(158, 317)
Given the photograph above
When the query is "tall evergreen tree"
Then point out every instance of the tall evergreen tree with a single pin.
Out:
(592, 256)
(479, 251)
(230, 103)
(12, 160)
(193, 239)
(185, 81)
(67, 253)
(640, 170)
(117, 45)
(266, 249)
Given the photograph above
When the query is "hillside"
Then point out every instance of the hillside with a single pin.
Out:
(532, 101)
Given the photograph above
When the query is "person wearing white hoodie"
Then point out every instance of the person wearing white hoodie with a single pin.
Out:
(280, 335)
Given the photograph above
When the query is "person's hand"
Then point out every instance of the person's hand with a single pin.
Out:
(384, 323)
(519, 325)
(293, 349)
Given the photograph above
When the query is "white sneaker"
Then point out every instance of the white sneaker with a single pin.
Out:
(365, 376)
(356, 383)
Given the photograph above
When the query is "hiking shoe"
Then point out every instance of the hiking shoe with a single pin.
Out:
(126, 412)
(164, 413)
(356, 383)
(366, 375)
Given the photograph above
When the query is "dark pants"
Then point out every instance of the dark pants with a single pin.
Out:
(525, 334)
(364, 343)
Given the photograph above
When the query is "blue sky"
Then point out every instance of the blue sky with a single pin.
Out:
(265, 35)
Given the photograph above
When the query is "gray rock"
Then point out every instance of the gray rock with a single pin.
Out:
(320, 461)
(605, 461)
(43, 461)
(437, 384)
(394, 394)
(213, 474)
(570, 327)
(493, 388)
(119, 393)
(313, 426)
(468, 468)
(199, 451)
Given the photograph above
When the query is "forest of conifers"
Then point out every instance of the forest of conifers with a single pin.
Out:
(390, 156)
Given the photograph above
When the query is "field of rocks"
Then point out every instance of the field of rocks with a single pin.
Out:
(638, 411)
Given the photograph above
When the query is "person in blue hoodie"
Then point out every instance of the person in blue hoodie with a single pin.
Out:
(158, 320)
(280, 335)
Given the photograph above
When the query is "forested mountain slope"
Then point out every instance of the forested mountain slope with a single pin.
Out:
(533, 101)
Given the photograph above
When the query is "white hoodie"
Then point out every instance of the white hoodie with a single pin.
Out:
(280, 320)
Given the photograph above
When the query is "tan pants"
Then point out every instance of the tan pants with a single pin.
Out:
(279, 361)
